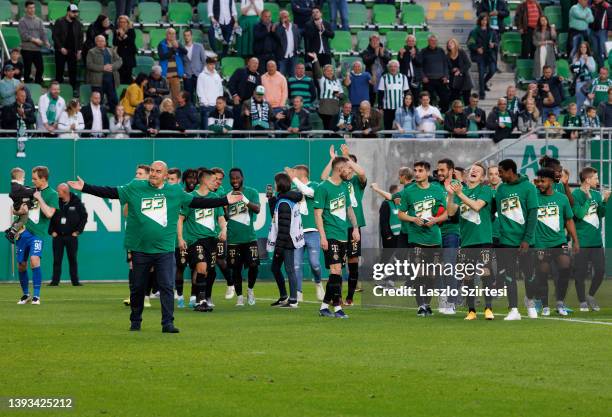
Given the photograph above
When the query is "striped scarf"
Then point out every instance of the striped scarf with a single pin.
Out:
(260, 114)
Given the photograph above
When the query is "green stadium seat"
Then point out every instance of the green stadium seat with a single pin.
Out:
(272, 7)
(203, 14)
(384, 15)
(198, 36)
(120, 89)
(56, 9)
(562, 43)
(111, 11)
(229, 64)
(6, 11)
(49, 67)
(396, 40)
(35, 91)
(139, 39)
(89, 11)
(342, 43)
(563, 69)
(11, 37)
(510, 45)
(554, 16)
(66, 92)
(149, 12)
(363, 39)
(156, 35)
(180, 13)
(413, 15)
(21, 8)
(421, 39)
(84, 94)
(358, 16)
(524, 71)
(144, 60)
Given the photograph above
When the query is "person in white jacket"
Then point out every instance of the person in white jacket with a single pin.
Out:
(71, 121)
(210, 86)
(50, 107)
(120, 124)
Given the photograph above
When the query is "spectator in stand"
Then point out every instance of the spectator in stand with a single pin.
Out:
(599, 88)
(15, 61)
(512, 101)
(367, 121)
(526, 18)
(475, 115)
(20, 114)
(583, 66)
(580, 17)
(497, 11)
(220, 120)
(157, 86)
(302, 12)
(275, 84)
(339, 6)
(552, 127)
(456, 122)
(294, 119)
(409, 65)
(223, 19)
(529, 119)
(544, 40)
(572, 120)
(70, 122)
(405, 118)
(460, 80)
(134, 95)
(167, 116)
(391, 90)
(249, 15)
(124, 40)
(532, 92)
(120, 124)
(123, 8)
(302, 85)
(501, 121)
(101, 26)
(599, 29)
(68, 44)
(265, 45)
(193, 62)
(375, 58)
(345, 121)
(257, 111)
(33, 37)
(317, 34)
(171, 54)
(8, 86)
(103, 71)
(330, 94)
(94, 115)
(187, 117)
(551, 92)
(426, 116)
(604, 110)
(590, 120)
(359, 84)
(435, 67)
(146, 118)
(241, 86)
(50, 106)
(209, 88)
(288, 42)
(482, 43)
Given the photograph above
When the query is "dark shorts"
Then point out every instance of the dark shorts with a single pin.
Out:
(180, 257)
(353, 248)
(221, 250)
(336, 253)
(242, 255)
(128, 256)
(427, 254)
(203, 250)
(550, 255)
(477, 254)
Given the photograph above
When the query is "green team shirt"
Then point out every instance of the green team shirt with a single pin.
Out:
(307, 208)
(355, 189)
(241, 220)
(558, 187)
(476, 226)
(588, 213)
(403, 225)
(513, 203)
(333, 200)
(553, 211)
(600, 89)
(201, 223)
(423, 203)
(38, 223)
(494, 219)
(152, 215)
(448, 227)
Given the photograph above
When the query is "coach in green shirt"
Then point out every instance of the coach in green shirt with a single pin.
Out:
(150, 233)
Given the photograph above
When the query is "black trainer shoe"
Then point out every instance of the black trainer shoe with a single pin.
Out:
(203, 307)
(279, 302)
(422, 312)
(135, 327)
(53, 284)
(170, 329)
(428, 310)
(77, 284)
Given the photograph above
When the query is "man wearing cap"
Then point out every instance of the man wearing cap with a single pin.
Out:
(209, 88)
(8, 86)
(33, 37)
(256, 111)
(68, 43)
(103, 71)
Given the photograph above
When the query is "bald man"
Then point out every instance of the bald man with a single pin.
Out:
(65, 226)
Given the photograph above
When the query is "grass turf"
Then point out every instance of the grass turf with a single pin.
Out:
(261, 361)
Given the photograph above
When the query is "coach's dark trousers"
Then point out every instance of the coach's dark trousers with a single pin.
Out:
(164, 268)
(71, 243)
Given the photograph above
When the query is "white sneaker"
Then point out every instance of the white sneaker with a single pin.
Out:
(35, 301)
(210, 302)
(155, 295)
(584, 307)
(449, 310)
(176, 297)
(250, 297)
(229, 292)
(240, 301)
(562, 311)
(546, 311)
(147, 301)
(442, 305)
(300, 296)
(24, 299)
(513, 314)
(593, 303)
(320, 291)
(532, 313)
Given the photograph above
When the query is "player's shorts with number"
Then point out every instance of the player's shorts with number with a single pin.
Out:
(204, 250)
(242, 255)
(335, 253)
(28, 245)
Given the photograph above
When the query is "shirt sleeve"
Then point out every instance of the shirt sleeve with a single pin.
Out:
(403, 201)
(567, 210)
(187, 198)
(53, 200)
(320, 196)
(124, 192)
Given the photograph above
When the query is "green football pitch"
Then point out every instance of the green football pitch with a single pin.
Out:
(265, 362)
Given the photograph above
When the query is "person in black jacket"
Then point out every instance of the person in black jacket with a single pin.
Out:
(94, 111)
(146, 118)
(187, 117)
(241, 86)
(65, 227)
(460, 80)
(102, 26)
(497, 11)
(124, 39)
(317, 34)
(455, 121)
(388, 225)
(482, 43)
(435, 72)
(476, 116)
(19, 110)
(302, 12)
(501, 121)
(409, 65)
(375, 59)
(265, 43)
(286, 54)
(68, 44)
(285, 119)
(285, 233)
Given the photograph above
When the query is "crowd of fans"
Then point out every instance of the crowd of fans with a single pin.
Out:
(415, 93)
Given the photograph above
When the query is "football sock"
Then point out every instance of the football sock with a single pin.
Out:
(36, 280)
(253, 271)
(200, 285)
(237, 278)
(23, 280)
